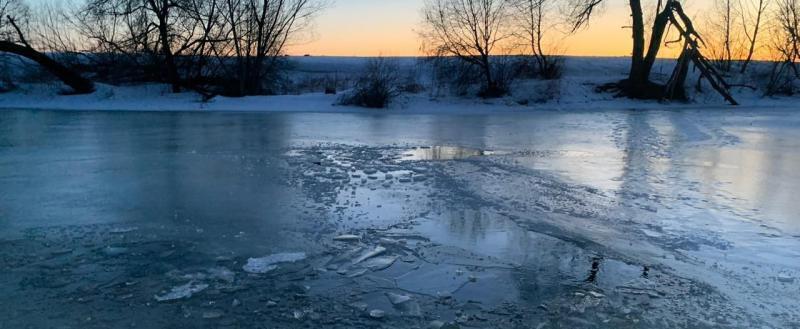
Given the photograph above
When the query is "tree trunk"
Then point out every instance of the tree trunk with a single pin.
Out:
(169, 60)
(78, 84)
(636, 75)
(754, 37)
(676, 87)
(492, 89)
(166, 48)
(657, 36)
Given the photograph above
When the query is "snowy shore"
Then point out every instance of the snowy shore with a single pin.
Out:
(574, 92)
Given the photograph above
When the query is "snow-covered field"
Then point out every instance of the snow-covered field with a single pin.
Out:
(575, 91)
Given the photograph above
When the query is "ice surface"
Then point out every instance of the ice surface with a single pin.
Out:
(674, 217)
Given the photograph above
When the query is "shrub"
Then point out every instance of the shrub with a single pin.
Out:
(783, 79)
(462, 78)
(454, 76)
(376, 87)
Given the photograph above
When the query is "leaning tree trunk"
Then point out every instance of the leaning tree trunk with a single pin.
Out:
(675, 88)
(72, 79)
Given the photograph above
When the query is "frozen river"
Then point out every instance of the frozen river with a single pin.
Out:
(622, 219)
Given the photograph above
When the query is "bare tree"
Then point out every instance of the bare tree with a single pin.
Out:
(377, 86)
(785, 48)
(469, 30)
(13, 39)
(724, 45)
(752, 14)
(170, 33)
(258, 32)
(643, 58)
(669, 13)
(9, 9)
(13, 15)
(148, 24)
(534, 22)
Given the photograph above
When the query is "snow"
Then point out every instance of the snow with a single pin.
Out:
(575, 91)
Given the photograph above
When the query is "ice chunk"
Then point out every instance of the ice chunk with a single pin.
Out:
(596, 294)
(405, 304)
(397, 299)
(785, 277)
(182, 292)
(356, 273)
(222, 274)
(389, 242)
(377, 314)
(377, 251)
(381, 263)
(347, 237)
(269, 263)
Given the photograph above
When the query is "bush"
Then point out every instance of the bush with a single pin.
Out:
(411, 81)
(553, 69)
(376, 87)
(464, 78)
(540, 68)
(783, 80)
(455, 76)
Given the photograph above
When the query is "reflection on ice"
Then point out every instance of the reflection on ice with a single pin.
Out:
(441, 153)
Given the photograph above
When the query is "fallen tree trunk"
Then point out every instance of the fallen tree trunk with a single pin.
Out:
(72, 79)
(692, 50)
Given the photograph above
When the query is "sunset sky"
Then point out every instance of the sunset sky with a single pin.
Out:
(387, 27)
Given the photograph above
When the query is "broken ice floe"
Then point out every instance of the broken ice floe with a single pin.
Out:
(182, 292)
(405, 304)
(269, 263)
(377, 251)
(377, 314)
(221, 274)
(397, 299)
(347, 238)
(785, 277)
(380, 263)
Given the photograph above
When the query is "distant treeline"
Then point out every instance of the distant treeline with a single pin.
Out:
(228, 47)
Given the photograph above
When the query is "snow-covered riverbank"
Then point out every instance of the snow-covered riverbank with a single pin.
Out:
(575, 91)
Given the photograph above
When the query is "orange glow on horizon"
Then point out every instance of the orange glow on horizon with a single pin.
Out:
(365, 28)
